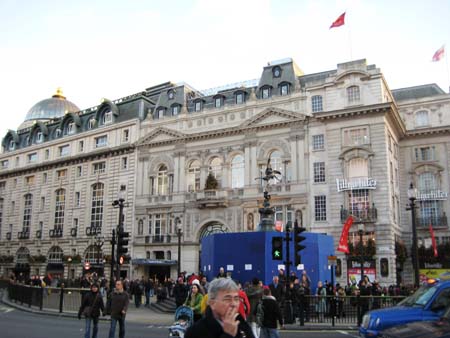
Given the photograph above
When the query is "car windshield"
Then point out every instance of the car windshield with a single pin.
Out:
(446, 314)
(420, 297)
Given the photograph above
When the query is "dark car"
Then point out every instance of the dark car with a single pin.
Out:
(434, 329)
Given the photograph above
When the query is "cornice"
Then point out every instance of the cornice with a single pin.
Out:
(427, 132)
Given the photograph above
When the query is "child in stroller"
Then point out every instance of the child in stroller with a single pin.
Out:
(184, 317)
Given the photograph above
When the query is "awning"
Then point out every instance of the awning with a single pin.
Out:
(144, 261)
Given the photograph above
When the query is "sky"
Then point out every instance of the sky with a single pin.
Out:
(111, 49)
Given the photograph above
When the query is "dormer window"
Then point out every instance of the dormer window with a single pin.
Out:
(198, 105)
(276, 72)
(92, 123)
(27, 141)
(39, 137)
(171, 95)
(175, 110)
(284, 89)
(353, 94)
(70, 128)
(12, 145)
(161, 113)
(107, 117)
(58, 132)
(218, 102)
(265, 92)
(240, 99)
(421, 119)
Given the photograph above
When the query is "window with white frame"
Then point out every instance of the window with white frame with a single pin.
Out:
(79, 171)
(107, 117)
(99, 168)
(93, 255)
(284, 89)
(240, 98)
(58, 132)
(160, 226)
(92, 123)
(61, 174)
(77, 199)
(319, 172)
(124, 163)
(64, 150)
(193, 179)
(353, 95)
(47, 154)
(198, 105)
(42, 206)
(218, 102)
(60, 208)
(425, 153)
(2, 186)
(163, 180)
(356, 136)
(29, 180)
(175, 110)
(126, 135)
(39, 137)
(317, 103)
(237, 171)
(71, 128)
(318, 142)
(32, 158)
(5, 164)
(421, 119)
(359, 202)
(44, 178)
(97, 205)
(266, 92)
(427, 182)
(357, 167)
(55, 255)
(150, 224)
(215, 168)
(12, 145)
(101, 141)
(27, 212)
(320, 208)
(161, 113)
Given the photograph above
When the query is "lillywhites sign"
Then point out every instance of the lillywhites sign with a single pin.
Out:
(359, 183)
(432, 195)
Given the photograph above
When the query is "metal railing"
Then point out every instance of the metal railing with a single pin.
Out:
(435, 221)
(361, 215)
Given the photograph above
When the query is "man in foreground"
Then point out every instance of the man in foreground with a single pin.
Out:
(221, 316)
(119, 307)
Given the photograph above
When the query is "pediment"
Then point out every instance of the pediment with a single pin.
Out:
(161, 135)
(271, 116)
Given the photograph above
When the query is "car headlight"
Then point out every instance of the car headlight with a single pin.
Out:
(365, 321)
(378, 322)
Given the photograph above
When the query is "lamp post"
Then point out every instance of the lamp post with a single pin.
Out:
(99, 241)
(118, 203)
(69, 260)
(412, 193)
(179, 233)
(361, 249)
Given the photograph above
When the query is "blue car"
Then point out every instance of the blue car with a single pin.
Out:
(426, 304)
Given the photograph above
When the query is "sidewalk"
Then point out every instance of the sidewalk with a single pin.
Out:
(144, 315)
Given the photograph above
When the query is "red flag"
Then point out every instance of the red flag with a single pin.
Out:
(340, 21)
(439, 54)
(433, 241)
(343, 241)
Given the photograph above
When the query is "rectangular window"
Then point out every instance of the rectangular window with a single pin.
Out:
(71, 128)
(265, 93)
(61, 174)
(107, 118)
(319, 172)
(77, 198)
(2, 186)
(126, 135)
(284, 89)
(80, 146)
(175, 110)
(44, 177)
(63, 150)
(356, 137)
(99, 168)
(320, 208)
(101, 141)
(79, 171)
(218, 102)
(124, 164)
(359, 203)
(17, 161)
(29, 180)
(198, 106)
(39, 137)
(239, 98)
(353, 94)
(15, 183)
(425, 154)
(5, 164)
(42, 205)
(317, 103)
(32, 157)
(150, 224)
(318, 142)
(47, 154)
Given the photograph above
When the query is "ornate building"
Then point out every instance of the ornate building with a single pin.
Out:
(345, 143)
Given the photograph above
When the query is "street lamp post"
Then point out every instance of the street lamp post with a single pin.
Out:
(179, 233)
(412, 193)
(69, 261)
(119, 203)
(99, 241)
(361, 249)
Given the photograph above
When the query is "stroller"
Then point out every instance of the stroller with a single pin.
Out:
(184, 317)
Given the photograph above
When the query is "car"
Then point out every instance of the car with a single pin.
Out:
(428, 329)
(428, 303)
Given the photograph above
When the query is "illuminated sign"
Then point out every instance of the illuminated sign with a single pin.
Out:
(432, 195)
(354, 184)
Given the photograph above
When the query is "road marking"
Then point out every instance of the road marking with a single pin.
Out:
(5, 309)
(348, 334)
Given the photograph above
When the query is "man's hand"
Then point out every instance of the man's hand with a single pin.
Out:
(123, 312)
(230, 324)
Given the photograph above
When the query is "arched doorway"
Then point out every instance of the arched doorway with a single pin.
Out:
(55, 266)
(22, 268)
(94, 256)
(210, 228)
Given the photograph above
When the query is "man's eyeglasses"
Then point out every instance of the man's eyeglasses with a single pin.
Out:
(230, 299)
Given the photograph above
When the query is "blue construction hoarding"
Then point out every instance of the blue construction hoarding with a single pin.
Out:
(248, 255)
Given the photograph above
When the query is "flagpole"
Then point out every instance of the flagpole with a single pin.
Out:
(349, 40)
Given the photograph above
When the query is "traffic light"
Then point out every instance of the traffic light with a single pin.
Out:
(122, 242)
(298, 238)
(277, 248)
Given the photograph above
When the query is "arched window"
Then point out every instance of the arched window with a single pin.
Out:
(353, 94)
(59, 209)
(27, 210)
(193, 178)
(140, 227)
(421, 119)
(22, 255)
(427, 182)
(276, 164)
(93, 255)
(97, 206)
(55, 255)
(316, 103)
(237, 171)
(163, 180)
(215, 167)
(107, 117)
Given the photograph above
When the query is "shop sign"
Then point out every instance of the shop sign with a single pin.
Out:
(432, 195)
(354, 184)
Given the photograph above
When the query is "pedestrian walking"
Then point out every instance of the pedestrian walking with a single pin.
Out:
(90, 307)
(119, 307)
(254, 294)
(194, 301)
(271, 316)
(221, 318)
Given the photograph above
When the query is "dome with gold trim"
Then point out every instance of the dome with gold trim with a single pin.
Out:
(51, 108)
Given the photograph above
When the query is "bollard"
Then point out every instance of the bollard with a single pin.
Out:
(61, 298)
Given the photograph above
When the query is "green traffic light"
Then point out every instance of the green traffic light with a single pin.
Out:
(277, 253)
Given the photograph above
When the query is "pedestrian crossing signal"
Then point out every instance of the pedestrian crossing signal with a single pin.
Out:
(277, 248)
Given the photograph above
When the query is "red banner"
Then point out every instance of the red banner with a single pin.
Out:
(343, 242)
(433, 241)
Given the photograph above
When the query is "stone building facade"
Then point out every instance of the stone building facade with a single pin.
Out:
(345, 143)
